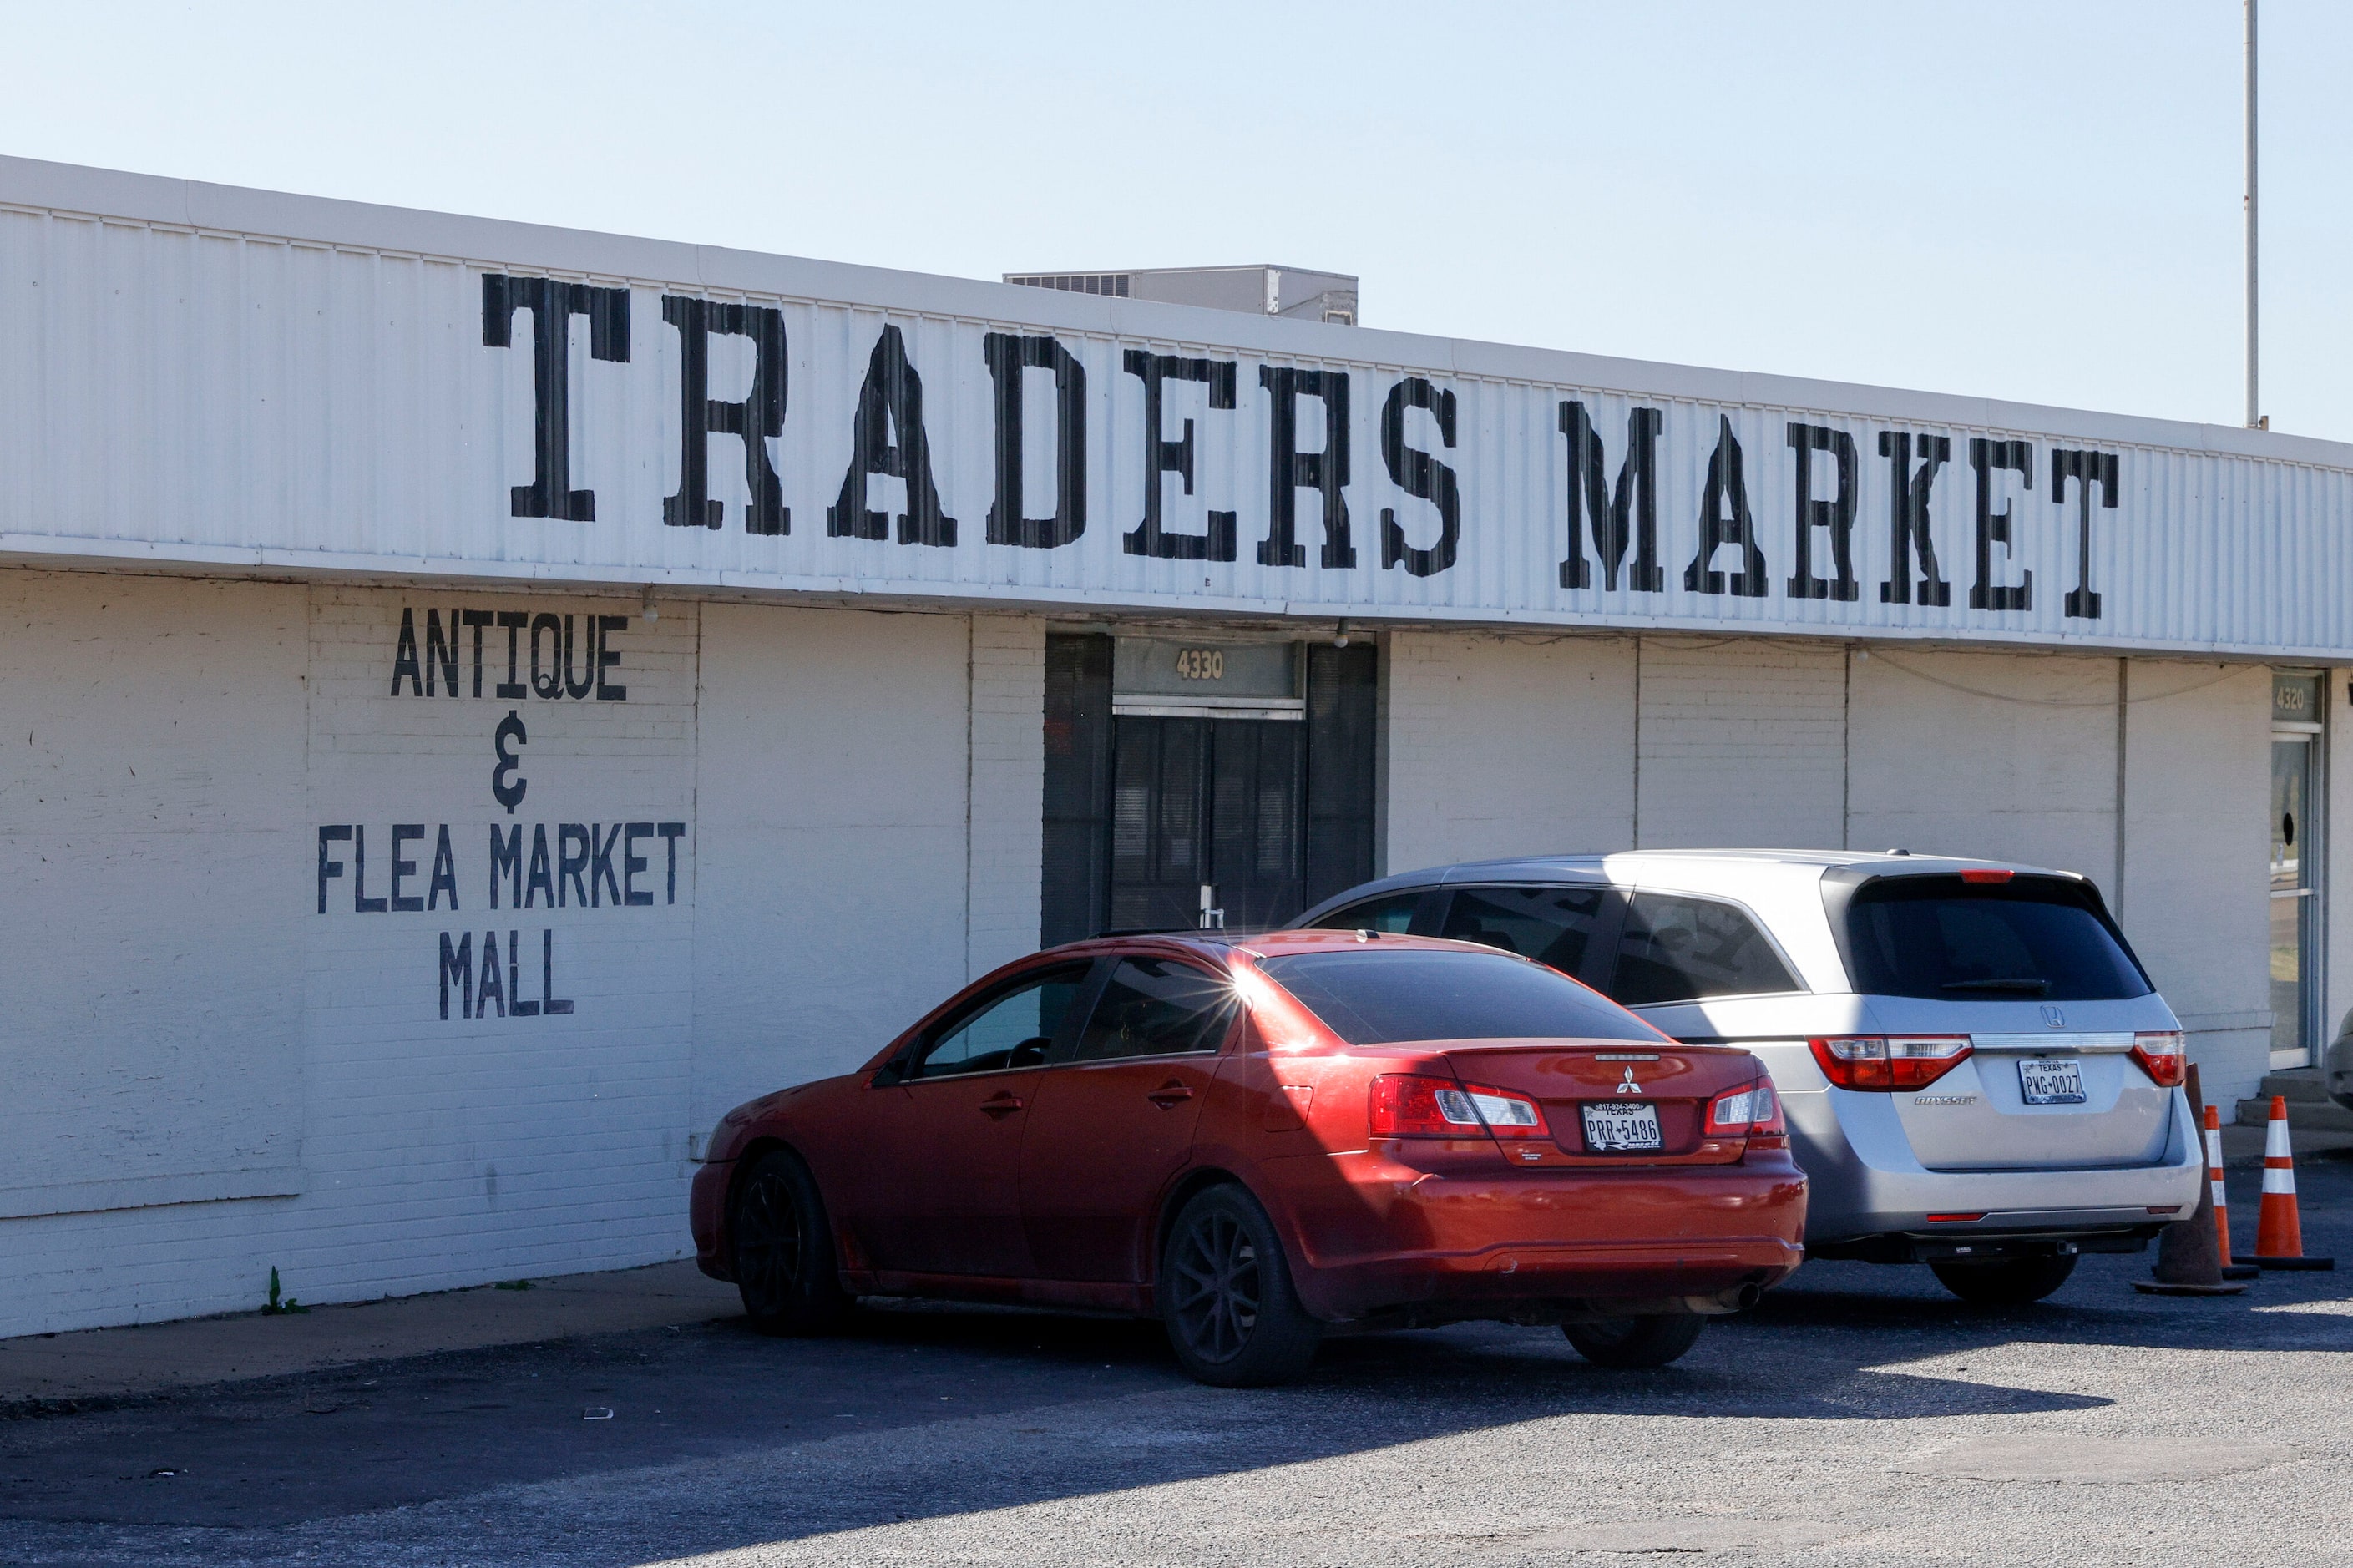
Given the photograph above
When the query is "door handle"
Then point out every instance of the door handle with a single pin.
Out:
(1001, 1105)
(1168, 1096)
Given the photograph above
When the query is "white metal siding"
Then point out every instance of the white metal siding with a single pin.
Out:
(202, 390)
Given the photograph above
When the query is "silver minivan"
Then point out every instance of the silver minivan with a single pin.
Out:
(1977, 1072)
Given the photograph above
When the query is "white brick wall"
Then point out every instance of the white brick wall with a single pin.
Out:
(1742, 743)
(2012, 756)
(831, 793)
(860, 793)
(152, 843)
(2196, 894)
(1007, 837)
(1507, 746)
(860, 797)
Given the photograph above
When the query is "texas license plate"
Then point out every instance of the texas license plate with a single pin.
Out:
(1613, 1126)
(2051, 1082)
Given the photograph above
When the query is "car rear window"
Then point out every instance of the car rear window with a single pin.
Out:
(2032, 937)
(1378, 998)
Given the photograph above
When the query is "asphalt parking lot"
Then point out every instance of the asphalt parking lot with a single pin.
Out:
(1859, 1415)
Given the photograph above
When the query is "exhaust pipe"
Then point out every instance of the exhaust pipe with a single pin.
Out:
(1739, 1299)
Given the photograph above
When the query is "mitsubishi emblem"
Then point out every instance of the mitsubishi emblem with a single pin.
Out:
(2054, 1018)
(1627, 1086)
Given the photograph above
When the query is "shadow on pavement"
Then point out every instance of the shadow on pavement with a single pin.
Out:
(1842, 1341)
(327, 1445)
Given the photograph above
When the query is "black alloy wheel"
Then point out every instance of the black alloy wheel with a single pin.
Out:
(2004, 1282)
(1653, 1340)
(783, 1250)
(1226, 1298)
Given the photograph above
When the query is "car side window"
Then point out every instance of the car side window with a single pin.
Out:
(1158, 1007)
(1010, 1029)
(1391, 914)
(1552, 925)
(1677, 949)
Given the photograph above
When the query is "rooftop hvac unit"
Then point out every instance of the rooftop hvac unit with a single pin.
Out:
(1293, 292)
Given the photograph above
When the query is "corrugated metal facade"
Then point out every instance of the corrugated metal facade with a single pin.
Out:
(186, 383)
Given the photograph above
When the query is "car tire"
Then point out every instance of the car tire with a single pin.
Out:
(2004, 1282)
(1654, 1339)
(1226, 1297)
(782, 1250)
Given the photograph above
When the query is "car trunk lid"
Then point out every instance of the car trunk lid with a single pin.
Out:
(1601, 1099)
(1984, 1114)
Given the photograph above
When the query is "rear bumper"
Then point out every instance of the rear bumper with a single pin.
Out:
(1988, 1241)
(1370, 1235)
(1864, 1186)
(706, 1209)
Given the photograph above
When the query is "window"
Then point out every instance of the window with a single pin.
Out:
(2032, 938)
(1010, 1029)
(1158, 1007)
(1391, 914)
(1378, 998)
(1678, 950)
(1551, 925)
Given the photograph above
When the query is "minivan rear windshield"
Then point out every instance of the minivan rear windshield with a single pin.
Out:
(1383, 997)
(2037, 938)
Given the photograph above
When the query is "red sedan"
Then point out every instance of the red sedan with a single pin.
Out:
(1259, 1139)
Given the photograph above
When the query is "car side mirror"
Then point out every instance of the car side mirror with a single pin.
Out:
(1029, 1052)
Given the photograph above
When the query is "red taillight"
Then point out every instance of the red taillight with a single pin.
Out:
(1753, 1113)
(1986, 874)
(2163, 1056)
(1405, 1106)
(1889, 1062)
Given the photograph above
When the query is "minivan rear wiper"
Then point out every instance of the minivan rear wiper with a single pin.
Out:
(2019, 986)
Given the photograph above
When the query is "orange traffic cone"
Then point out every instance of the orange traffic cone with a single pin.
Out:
(2279, 1233)
(2221, 1200)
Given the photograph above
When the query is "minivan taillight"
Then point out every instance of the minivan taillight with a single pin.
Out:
(2162, 1056)
(1753, 1113)
(1888, 1062)
(1410, 1106)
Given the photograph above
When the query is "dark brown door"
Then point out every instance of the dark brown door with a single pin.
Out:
(1206, 803)
(1320, 846)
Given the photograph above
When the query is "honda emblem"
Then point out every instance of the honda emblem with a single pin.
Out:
(2054, 1018)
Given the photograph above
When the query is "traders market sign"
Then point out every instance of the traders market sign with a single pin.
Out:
(1793, 537)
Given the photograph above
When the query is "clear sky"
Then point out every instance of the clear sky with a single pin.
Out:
(2034, 201)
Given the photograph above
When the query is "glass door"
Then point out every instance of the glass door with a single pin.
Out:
(2295, 866)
